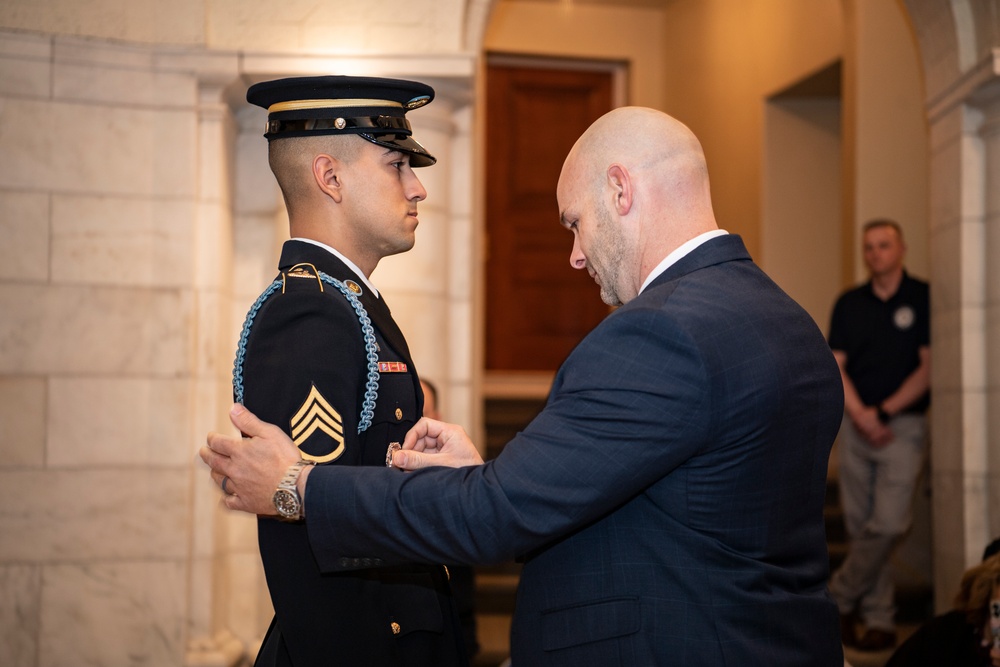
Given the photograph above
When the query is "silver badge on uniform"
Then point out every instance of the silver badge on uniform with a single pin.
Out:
(903, 318)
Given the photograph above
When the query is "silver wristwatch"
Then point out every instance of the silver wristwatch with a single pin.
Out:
(286, 497)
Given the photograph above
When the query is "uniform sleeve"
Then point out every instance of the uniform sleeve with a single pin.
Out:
(304, 370)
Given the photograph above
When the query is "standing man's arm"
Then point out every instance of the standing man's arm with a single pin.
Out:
(255, 464)
(864, 417)
(914, 386)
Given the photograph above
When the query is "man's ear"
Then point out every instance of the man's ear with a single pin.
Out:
(326, 172)
(621, 184)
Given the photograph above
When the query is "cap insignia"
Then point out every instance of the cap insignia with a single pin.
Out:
(418, 102)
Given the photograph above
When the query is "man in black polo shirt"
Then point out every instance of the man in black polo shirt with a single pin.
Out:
(880, 336)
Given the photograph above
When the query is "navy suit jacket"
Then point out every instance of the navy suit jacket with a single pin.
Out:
(668, 499)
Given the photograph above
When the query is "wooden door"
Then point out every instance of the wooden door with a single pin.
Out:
(538, 307)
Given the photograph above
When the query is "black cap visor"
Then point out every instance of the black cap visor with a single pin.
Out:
(419, 157)
(369, 128)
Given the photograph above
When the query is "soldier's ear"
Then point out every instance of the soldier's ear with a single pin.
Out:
(326, 173)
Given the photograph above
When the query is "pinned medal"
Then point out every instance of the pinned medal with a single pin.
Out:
(353, 286)
(393, 447)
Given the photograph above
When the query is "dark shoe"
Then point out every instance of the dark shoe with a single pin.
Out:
(847, 633)
(877, 640)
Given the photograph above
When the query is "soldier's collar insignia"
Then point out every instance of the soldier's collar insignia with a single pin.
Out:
(316, 414)
(353, 286)
(302, 270)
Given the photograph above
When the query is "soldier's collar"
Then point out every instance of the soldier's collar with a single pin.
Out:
(351, 265)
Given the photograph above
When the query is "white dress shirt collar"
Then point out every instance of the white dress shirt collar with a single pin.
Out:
(681, 250)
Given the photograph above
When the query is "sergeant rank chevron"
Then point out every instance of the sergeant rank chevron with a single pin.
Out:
(316, 414)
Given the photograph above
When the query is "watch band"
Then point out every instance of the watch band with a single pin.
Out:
(286, 497)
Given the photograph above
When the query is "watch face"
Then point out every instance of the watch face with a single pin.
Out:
(287, 503)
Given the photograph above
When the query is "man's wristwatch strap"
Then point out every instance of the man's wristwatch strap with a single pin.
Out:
(286, 497)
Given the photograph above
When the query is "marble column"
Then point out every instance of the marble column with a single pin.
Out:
(965, 193)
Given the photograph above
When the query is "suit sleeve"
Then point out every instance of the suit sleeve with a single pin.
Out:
(597, 444)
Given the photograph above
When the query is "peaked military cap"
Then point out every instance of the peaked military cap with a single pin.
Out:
(370, 107)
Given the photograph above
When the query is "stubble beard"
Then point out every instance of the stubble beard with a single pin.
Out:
(609, 258)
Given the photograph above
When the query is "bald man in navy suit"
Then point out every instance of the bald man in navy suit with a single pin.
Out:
(668, 500)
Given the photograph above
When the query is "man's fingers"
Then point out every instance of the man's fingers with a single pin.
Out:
(233, 502)
(419, 432)
(221, 444)
(247, 422)
(408, 460)
(212, 457)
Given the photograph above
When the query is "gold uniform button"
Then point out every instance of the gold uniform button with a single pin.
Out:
(399, 414)
(395, 628)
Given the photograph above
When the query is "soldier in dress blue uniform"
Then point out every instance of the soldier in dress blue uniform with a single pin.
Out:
(321, 355)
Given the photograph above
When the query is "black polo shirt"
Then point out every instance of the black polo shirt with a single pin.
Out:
(882, 338)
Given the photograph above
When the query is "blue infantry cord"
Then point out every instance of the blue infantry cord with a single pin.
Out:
(371, 387)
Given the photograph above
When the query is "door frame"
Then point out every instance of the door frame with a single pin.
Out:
(534, 384)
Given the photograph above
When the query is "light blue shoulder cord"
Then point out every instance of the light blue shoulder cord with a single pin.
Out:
(371, 388)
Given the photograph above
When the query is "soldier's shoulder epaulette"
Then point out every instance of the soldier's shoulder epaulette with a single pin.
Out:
(350, 290)
(305, 274)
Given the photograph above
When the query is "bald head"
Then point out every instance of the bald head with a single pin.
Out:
(633, 188)
(652, 146)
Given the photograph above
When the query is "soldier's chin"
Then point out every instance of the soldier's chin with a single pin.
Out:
(405, 245)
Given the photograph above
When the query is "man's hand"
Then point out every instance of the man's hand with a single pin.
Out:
(434, 443)
(874, 431)
(251, 467)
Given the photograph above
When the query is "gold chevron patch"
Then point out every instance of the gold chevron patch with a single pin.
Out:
(316, 414)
